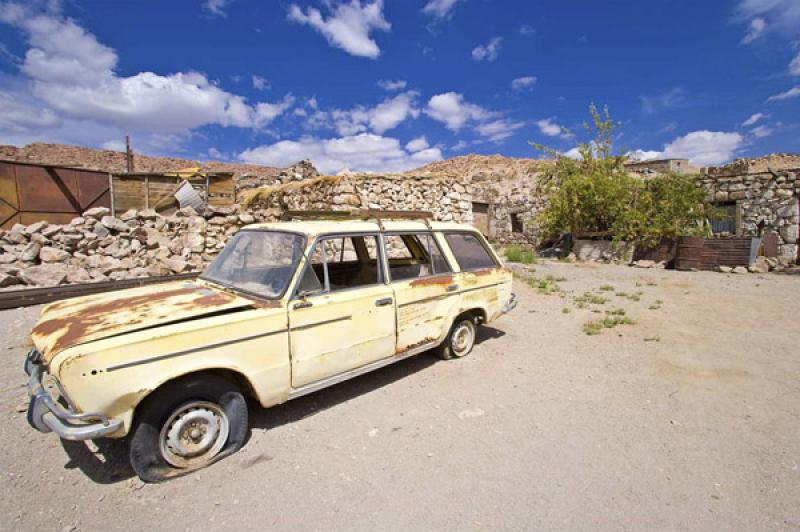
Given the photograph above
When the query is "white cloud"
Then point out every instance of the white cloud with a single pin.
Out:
(754, 118)
(260, 83)
(215, 153)
(794, 92)
(216, 7)
(794, 66)
(364, 152)
(643, 155)
(418, 144)
(488, 51)
(113, 145)
(73, 75)
(781, 14)
(762, 131)
(453, 111)
(756, 28)
(549, 127)
(527, 29)
(379, 119)
(661, 102)
(704, 148)
(440, 9)
(25, 117)
(573, 153)
(348, 26)
(499, 130)
(523, 83)
(458, 146)
(392, 85)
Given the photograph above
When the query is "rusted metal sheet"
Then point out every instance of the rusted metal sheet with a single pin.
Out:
(31, 193)
(708, 253)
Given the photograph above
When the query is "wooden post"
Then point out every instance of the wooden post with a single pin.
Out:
(128, 154)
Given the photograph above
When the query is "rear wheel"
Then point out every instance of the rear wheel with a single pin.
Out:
(460, 340)
(187, 425)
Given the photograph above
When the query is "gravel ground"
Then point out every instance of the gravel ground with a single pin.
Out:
(686, 420)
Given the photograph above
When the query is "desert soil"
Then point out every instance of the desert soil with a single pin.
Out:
(688, 419)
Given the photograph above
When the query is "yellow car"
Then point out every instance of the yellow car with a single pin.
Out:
(287, 308)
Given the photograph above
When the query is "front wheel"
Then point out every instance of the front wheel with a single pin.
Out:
(460, 340)
(187, 425)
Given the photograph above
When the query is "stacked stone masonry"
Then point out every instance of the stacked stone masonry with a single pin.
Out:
(766, 201)
(99, 247)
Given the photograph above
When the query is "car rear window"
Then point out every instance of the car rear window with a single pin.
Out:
(470, 252)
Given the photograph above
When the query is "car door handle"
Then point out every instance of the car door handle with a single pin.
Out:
(383, 302)
(303, 304)
(452, 288)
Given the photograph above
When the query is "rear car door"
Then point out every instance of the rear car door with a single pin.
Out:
(423, 285)
(482, 281)
(342, 315)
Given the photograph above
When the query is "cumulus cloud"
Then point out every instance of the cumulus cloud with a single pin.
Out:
(72, 75)
(703, 148)
(216, 7)
(348, 25)
(523, 83)
(498, 130)
(762, 131)
(754, 118)
(526, 29)
(440, 9)
(794, 92)
(454, 111)
(364, 152)
(392, 85)
(418, 144)
(549, 127)
(260, 83)
(488, 51)
(25, 117)
(643, 155)
(755, 29)
(385, 116)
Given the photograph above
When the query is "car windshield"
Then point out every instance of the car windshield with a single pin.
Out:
(260, 262)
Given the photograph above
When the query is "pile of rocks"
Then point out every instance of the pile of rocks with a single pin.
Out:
(99, 247)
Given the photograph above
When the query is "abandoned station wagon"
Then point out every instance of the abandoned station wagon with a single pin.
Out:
(286, 309)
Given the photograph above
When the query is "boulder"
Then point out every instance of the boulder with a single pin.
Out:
(78, 275)
(739, 269)
(7, 258)
(6, 279)
(35, 228)
(30, 252)
(760, 266)
(176, 265)
(44, 275)
(644, 263)
(128, 215)
(148, 214)
(724, 269)
(51, 230)
(247, 218)
(49, 254)
(114, 224)
(97, 213)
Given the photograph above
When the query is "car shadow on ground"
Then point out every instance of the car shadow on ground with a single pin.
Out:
(109, 463)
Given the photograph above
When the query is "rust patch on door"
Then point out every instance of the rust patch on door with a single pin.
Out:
(432, 281)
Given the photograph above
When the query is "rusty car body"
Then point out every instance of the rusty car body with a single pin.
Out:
(345, 298)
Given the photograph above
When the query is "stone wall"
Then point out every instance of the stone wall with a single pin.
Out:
(508, 200)
(766, 200)
(99, 247)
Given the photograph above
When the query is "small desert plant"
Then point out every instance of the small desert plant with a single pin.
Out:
(521, 255)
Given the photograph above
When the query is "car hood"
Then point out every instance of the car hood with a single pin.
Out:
(76, 321)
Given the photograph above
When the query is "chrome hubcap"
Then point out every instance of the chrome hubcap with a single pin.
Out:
(194, 434)
(463, 337)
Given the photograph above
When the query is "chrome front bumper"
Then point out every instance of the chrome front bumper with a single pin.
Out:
(48, 415)
(511, 305)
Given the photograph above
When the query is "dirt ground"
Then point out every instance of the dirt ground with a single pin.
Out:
(688, 419)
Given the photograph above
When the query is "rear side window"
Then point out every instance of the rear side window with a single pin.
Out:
(412, 256)
(469, 251)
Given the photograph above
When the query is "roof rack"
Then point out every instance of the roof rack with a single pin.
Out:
(377, 215)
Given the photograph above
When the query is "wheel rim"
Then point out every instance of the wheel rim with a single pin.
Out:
(194, 434)
(462, 339)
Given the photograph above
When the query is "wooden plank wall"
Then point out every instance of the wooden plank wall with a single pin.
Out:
(156, 191)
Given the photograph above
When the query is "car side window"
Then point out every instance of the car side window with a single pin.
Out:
(342, 262)
(470, 253)
(411, 256)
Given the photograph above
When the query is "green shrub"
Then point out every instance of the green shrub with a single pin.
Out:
(521, 255)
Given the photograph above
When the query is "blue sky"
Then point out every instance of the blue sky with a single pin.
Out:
(390, 85)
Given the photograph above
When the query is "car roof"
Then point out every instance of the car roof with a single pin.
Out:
(316, 227)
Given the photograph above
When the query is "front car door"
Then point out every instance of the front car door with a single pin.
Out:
(342, 316)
